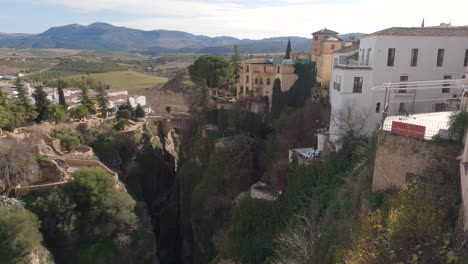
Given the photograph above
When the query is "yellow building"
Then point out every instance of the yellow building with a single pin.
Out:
(324, 43)
(256, 79)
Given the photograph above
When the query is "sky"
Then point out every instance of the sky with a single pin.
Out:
(238, 18)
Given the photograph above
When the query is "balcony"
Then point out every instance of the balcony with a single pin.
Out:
(350, 64)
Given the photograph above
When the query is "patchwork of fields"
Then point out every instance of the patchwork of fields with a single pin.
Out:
(126, 80)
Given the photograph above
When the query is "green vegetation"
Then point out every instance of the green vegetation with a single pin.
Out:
(20, 239)
(212, 71)
(122, 80)
(91, 221)
(42, 104)
(70, 139)
(458, 125)
(413, 227)
(73, 67)
(287, 56)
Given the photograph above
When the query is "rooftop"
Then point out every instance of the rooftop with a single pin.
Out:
(333, 38)
(353, 47)
(423, 31)
(325, 31)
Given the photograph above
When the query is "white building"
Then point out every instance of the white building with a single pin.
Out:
(137, 100)
(397, 55)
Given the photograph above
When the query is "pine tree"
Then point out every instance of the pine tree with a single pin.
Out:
(42, 104)
(102, 101)
(288, 51)
(140, 112)
(61, 95)
(277, 102)
(235, 61)
(86, 101)
(22, 100)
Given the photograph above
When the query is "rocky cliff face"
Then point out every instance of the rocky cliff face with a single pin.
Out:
(157, 184)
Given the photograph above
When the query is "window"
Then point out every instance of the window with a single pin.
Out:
(278, 69)
(466, 58)
(440, 107)
(377, 108)
(261, 80)
(357, 86)
(368, 57)
(446, 90)
(440, 57)
(247, 79)
(241, 90)
(256, 80)
(391, 57)
(414, 57)
(268, 81)
(316, 38)
(402, 109)
(247, 69)
(264, 68)
(332, 47)
(403, 85)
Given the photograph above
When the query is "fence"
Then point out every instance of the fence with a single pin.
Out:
(433, 123)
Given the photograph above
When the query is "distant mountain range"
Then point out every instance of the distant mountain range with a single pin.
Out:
(103, 36)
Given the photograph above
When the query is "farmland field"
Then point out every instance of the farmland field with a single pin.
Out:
(72, 67)
(126, 80)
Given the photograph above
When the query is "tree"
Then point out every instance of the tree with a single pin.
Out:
(16, 166)
(79, 112)
(99, 201)
(418, 227)
(22, 99)
(86, 101)
(20, 238)
(140, 112)
(277, 103)
(350, 119)
(42, 104)
(121, 124)
(7, 120)
(102, 101)
(168, 109)
(124, 114)
(235, 62)
(60, 85)
(222, 120)
(458, 124)
(212, 71)
(288, 51)
(57, 113)
(127, 106)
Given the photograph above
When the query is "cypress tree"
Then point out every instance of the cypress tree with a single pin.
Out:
(61, 95)
(86, 101)
(22, 100)
(102, 101)
(288, 51)
(235, 61)
(42, 104)
(277, 99)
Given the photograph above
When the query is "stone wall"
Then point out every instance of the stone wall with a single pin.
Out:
(398, 155)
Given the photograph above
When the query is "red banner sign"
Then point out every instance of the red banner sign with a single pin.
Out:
(408, 129)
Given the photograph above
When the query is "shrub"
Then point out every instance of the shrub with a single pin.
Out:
(19, 234)
(255, 224)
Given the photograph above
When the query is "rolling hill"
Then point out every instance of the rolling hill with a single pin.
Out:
(103, 36)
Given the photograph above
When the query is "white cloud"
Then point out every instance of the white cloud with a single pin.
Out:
(265, 18)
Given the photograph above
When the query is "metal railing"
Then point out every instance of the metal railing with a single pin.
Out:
(432, 127)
